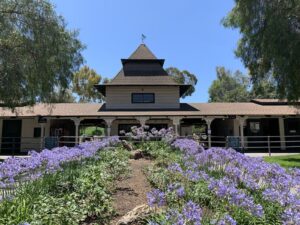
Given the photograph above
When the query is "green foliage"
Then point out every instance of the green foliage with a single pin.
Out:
(270, 41)
(229, 87)
(264, 88)
(236, 87)
(198, 129)
(62, 96)
(160, 151)
(81, 190)
(83, 85)
(91, 131)
(183, 77)
(214, 208)
(38, 54)
(285, 161)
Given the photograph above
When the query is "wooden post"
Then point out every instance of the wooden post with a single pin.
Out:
(176, 123)
(282, 133)
(42, 135)
(108, 122)
(269, 146)
(208, 122)
(76, 123)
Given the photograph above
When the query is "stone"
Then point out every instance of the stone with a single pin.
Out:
(127, 145)
(137, 154)
(136, 215)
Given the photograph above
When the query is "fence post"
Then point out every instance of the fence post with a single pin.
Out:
(269, 147)
(13, 146)
(226, 142)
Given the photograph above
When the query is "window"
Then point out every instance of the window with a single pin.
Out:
(37, 132)
(254, 127)
(142, 98)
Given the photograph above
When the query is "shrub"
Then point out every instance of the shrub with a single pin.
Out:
(79, 190)
(230, 187)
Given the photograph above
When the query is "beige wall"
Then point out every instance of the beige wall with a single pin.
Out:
(120, 97)
(1, 124)
(28, 141)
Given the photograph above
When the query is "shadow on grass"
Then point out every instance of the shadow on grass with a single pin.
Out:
(292, 160)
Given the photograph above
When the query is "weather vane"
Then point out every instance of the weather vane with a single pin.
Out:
(143, 38)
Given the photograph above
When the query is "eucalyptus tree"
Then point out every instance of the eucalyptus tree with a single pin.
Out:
(183, 77)
(38, 54)
(270, 41)
(83, 85)
(229, 87)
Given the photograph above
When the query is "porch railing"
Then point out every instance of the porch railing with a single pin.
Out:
(17, 145)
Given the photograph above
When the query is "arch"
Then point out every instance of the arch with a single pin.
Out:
(92, 127)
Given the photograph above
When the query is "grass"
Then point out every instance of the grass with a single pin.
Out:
(285, 161)
(93, 130)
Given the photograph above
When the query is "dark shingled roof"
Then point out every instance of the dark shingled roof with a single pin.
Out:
(121, 79)
(274, 101)
(142, 52)
(143, 55)
(191, 109)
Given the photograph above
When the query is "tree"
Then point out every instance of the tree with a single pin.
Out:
(83, 85)
(106, 80)
(38, 55)
(229, 87)
(62, 96)
(183, 77)
(270, 42)
(265, 88)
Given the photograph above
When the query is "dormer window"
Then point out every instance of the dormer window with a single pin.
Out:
(142, 98)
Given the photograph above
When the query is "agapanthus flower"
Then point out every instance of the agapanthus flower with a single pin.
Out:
(156, 197)
(16, 169)
(227, 220)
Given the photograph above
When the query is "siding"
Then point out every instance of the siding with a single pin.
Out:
(1, 127)
(28, 141)
(120, 97)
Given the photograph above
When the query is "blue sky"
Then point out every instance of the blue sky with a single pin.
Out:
(188, 34)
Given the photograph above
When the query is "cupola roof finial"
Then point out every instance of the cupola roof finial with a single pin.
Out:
(143, 37)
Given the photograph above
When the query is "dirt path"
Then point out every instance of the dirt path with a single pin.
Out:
(132, 191)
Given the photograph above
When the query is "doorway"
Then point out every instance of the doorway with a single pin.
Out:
(11, 137)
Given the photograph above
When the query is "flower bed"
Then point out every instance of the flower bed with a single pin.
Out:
(74, 185)
(48, 161)
(222, 186)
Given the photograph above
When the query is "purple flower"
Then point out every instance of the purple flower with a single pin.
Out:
(227, 220)
(175, 167)
(16, 169)
(177, 188)
(156, 197)
(192, 212)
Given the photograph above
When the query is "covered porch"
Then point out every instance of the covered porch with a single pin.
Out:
(20, 135)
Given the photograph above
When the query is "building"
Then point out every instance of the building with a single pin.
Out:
(143, 93)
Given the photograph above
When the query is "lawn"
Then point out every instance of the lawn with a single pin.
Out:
(285, 161)
(92, 130)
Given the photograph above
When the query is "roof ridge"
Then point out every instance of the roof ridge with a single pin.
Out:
(145, 52)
